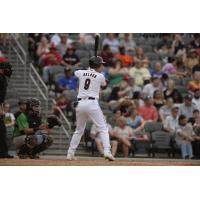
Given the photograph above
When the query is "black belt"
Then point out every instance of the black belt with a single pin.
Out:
(90, 98)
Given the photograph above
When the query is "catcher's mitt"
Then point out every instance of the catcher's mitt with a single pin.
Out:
(52, 121)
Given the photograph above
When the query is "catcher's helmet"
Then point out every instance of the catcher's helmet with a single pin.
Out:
(33, 105)
(96, 61)
(7, 67)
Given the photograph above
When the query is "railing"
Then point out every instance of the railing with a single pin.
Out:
(17, 48)
(65, 120)
(42, 89)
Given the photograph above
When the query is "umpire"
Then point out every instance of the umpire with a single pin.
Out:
(5, 71)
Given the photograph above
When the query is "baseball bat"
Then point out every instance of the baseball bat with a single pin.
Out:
(96, 44)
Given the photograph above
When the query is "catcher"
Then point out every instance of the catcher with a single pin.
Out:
(31, 134)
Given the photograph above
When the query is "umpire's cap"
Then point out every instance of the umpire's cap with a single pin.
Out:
(6, 66)
(96, 61)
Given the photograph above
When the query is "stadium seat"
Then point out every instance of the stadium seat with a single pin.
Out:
(183, 90)
(160, 143)
(58, 76)
(177, 80)
(71, 95)
(84, 62)
(153, 126)
(147, 48)
(82, 54)
(152, 56)
(186, 80)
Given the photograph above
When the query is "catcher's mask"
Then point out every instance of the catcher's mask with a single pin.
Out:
(34, 106)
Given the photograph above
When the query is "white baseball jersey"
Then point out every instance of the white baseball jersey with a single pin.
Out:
(90, 82)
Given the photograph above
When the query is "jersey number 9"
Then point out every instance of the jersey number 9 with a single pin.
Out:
(87, 84)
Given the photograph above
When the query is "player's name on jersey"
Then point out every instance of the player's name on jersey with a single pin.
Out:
(90, 75)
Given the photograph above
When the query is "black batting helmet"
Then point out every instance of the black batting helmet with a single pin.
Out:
(96, 61)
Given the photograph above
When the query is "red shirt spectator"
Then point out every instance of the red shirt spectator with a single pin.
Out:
(148, 111)
(107, 55)
(53, 57)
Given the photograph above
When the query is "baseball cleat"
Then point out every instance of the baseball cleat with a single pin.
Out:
(71, 157)
(109, 157)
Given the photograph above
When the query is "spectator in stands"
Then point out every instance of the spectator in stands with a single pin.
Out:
(194, 84)
(135, 121)
(62, 103)
(126, 59)
(124, 134)
(117, 73)
(148, 111)
(157, 71)
(64, 44)
(113, 119)
(170, 123)
(134, 88)
(69, 82)
(124, 104)
(182, 70)
(158, 99)
(51, 60)
(70, 59)
(112, 41)
(139, 56)
(178, 46)
(191, 60)
(113, 140)
(194, 117)
(118, 92)
(168, 92)
(170, 67)
(177, 97)
(164, 80)
(163, 48)
(107, 55)
(9, 116)
(150, 88)
(196, 98)
(195, 68)
(196, 137)
(55, 39)
(129, 44)
(9, 120)
(195, 43)
(166, 109)
(184, 137)
(139, 73)
(42, 49)
(146, 63)
(187, 107)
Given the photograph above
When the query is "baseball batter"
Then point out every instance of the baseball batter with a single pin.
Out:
(90, 83)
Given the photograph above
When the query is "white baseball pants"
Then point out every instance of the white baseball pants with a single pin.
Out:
(89, 109)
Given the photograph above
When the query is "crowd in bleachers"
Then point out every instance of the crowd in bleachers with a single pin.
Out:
(154, 81)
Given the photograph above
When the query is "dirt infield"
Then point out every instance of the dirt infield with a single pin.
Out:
(95, 162)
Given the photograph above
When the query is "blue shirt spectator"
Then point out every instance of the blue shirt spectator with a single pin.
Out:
(69, 82)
